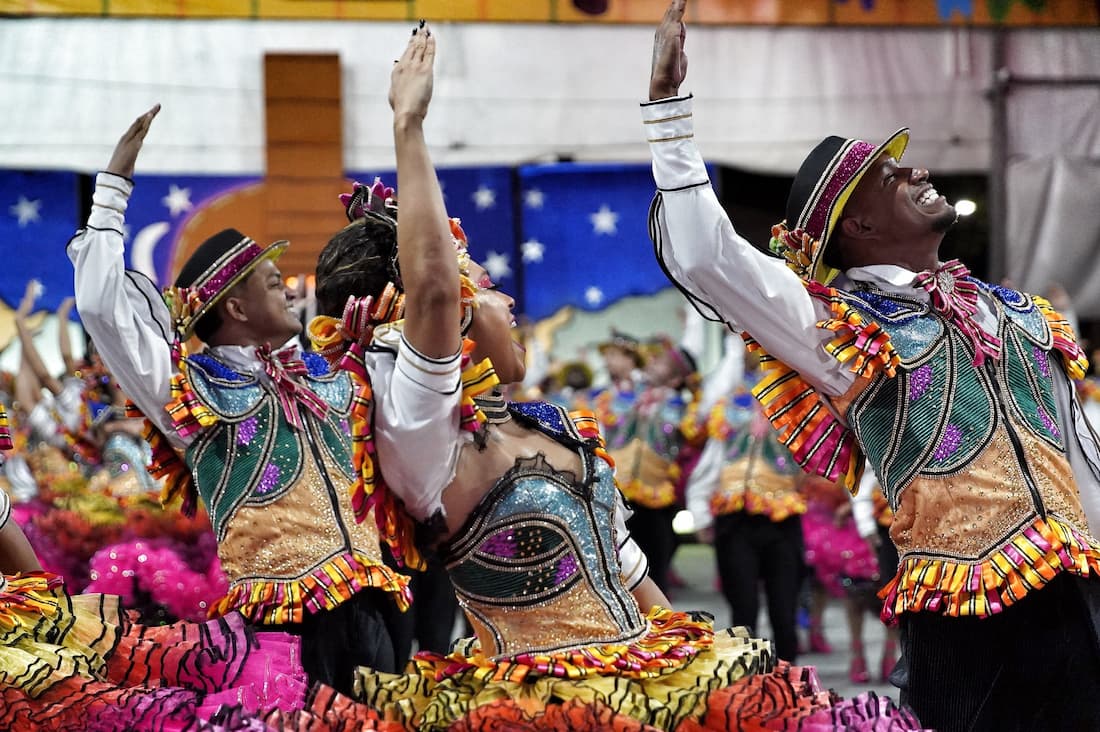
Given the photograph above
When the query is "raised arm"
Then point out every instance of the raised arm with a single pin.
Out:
(16, 554)
(426, 252)
(31, 358)
(721, 273)
(123, 311)
(64, 342)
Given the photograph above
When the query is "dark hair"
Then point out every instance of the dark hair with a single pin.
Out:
(689, 359)
(576, 376)
(833, 256)
(208, 324)
(358, 260)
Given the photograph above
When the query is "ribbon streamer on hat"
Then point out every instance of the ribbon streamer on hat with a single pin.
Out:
(282, 366)
(955, 297)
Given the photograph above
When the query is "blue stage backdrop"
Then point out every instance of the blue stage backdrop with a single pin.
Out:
(580, 238)
(585, 236)
(158, 210)
(38, 215)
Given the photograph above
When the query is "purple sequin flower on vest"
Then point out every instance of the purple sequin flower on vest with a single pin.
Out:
(952, 440)
(247, 431)
(919, 381)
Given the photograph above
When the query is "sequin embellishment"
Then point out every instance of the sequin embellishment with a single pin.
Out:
(919, 381)
(269, 480)
(247, 431)
(952, 439)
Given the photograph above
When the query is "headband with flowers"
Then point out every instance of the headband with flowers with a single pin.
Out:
(379, 201)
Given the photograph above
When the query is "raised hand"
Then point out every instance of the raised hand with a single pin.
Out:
(412, 77)
(65, 308)
(126, 151)
(30, 297)
(669, 60)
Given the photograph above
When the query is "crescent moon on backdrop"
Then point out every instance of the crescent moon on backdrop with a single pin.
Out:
(141, 253)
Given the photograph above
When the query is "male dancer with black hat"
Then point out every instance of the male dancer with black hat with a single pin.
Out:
(958, 393)
(251, 425)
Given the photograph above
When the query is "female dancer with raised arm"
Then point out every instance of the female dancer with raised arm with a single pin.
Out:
(520, 498)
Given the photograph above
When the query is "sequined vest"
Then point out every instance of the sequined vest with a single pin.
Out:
(645, 446)
(968, 457)
(535, 566)
(277, 497)
(758, 476)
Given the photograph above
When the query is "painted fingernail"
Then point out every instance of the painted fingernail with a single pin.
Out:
(422, 22)
(414, 31)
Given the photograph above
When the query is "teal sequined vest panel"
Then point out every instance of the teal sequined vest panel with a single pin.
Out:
(933, 419)
(252, 456)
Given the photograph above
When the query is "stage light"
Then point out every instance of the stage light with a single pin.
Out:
(965, 207)
(683, 522)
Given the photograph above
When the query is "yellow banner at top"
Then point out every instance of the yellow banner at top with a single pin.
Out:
(1020, 13)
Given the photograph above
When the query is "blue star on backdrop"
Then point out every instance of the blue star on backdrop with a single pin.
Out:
(159, 208)
(586, 242)
(38, 215)
(555, 235)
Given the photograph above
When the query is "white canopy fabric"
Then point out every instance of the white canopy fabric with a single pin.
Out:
(515, 93)
(505, 93)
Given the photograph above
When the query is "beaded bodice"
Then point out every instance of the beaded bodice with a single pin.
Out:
(535, 566)
(252, 454)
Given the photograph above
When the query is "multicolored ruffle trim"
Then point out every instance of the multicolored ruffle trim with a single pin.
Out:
(25, 600)
(177, 482)
(652, 495)
(695, 428)
(343, 342)
(775, 507)
(672, 640)
(189, 416)
(274, 602)
(1035, 556)
(5, 431)
(658, 687)
(1065, 340)
(588, 426)
(477, 378)
(820, 443)
(717, 423)
(791, 698)
(731, 685)
(325, 710)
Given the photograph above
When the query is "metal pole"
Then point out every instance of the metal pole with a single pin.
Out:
(998, 160)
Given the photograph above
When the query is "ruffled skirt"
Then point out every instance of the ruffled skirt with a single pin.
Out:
(722, 680)
(79, 663)
(839, 556)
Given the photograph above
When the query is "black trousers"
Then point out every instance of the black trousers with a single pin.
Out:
(430, 620)
(335, 642)
(1035, 666)
(753, 548)
(651, 529)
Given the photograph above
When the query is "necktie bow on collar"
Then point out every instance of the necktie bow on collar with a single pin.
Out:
(954, 295)
(284, 367)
